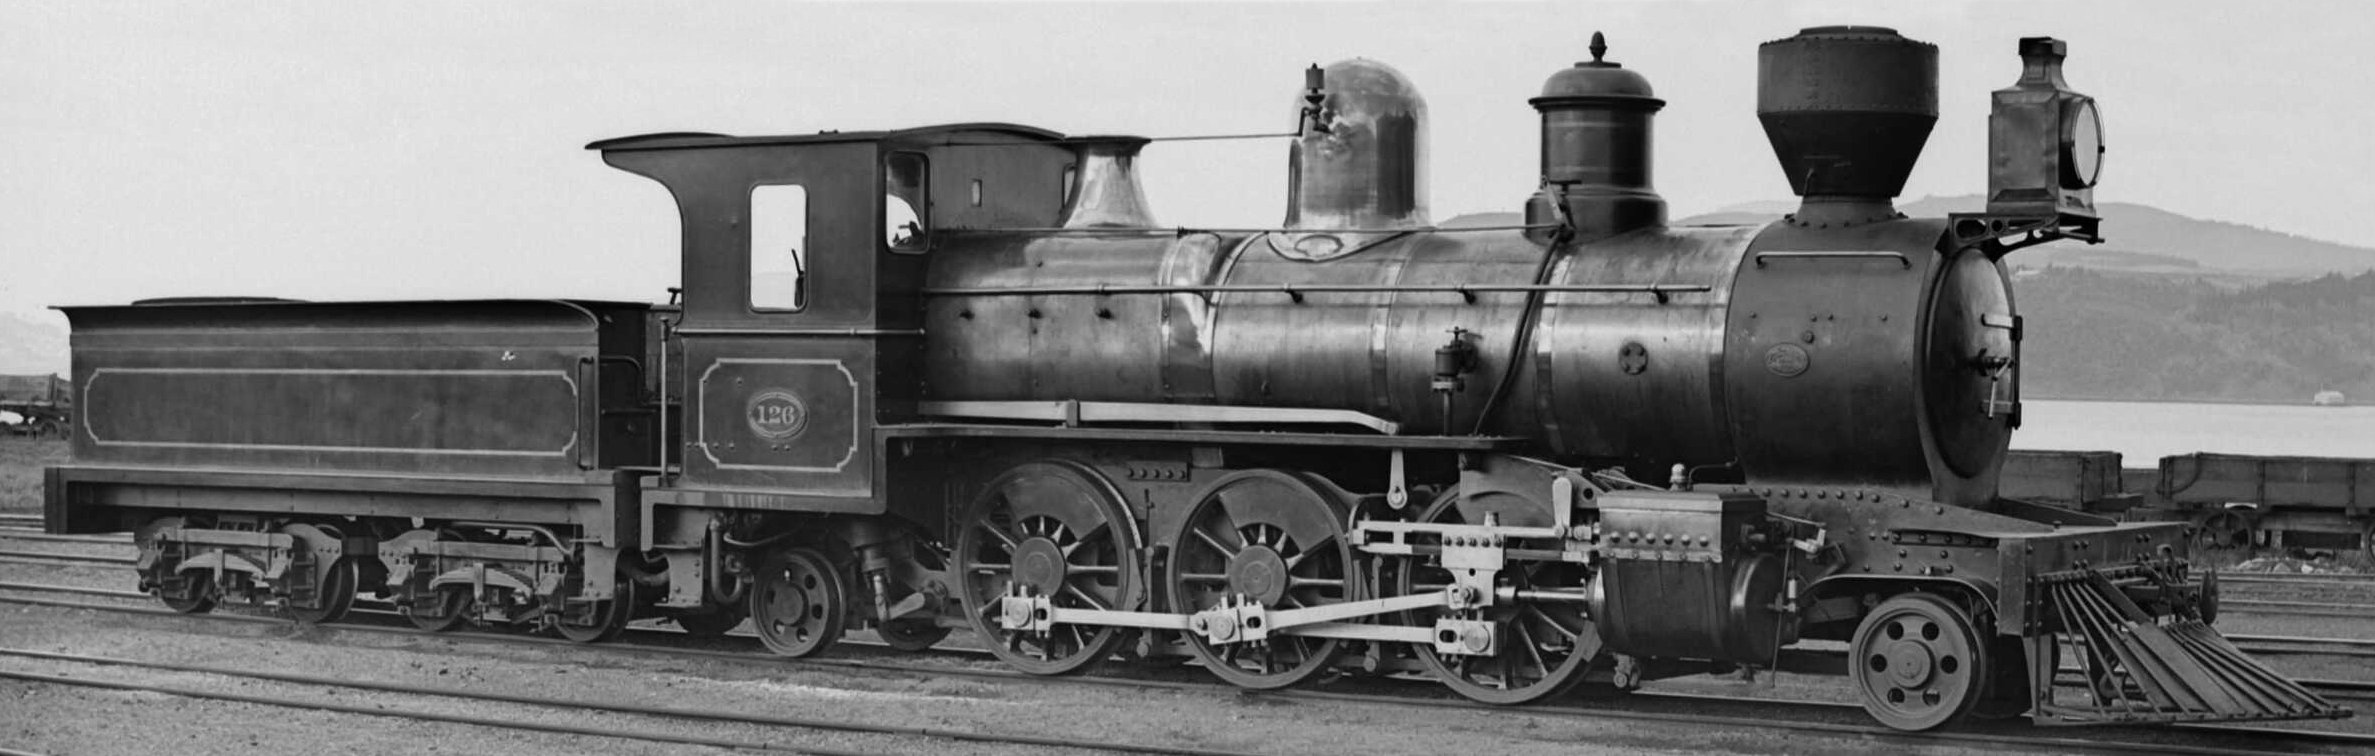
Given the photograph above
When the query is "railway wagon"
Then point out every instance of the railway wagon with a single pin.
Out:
(958, 377)
(43, 404)
(2240, 502)
(2089, 481)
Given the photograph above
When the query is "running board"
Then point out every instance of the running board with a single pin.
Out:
(2136, 668)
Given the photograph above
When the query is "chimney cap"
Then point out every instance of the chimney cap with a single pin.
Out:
(1597, 81)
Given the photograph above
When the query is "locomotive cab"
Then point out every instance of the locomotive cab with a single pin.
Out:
(802, 260)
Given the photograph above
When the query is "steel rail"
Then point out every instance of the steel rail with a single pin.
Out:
(2335, 685)
(22, 534)
(37, 556)
(676, 712)
(423, 716)
(2286, 578)
(1562, 710)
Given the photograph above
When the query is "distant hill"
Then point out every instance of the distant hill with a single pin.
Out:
(30, 346)
(2139, 238)
(2099, 334)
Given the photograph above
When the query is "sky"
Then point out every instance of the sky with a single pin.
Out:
(434, 149)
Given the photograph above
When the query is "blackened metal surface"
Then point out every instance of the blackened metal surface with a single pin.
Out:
(1855, 356)
(1597, 148)
(508, 388)
(1847, 108)
(1367, 345)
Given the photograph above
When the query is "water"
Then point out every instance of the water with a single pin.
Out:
(2144, 432)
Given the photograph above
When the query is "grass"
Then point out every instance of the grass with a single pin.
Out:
(21, 461)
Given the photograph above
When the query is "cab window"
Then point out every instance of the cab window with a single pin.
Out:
(905, 225)
(778, 247)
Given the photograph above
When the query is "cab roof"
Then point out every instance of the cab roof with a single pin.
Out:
(679, 140)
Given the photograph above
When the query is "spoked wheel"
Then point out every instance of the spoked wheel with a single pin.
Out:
(1545, 647)
(911, 635)
(712, 624)
(1917, 662)
(334, 586)
(1277, 540)
(609, 618)
(1053, 529)
(797, 605)
(444, 609)
(2224, 530)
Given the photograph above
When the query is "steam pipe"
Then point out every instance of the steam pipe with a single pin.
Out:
(711, 570)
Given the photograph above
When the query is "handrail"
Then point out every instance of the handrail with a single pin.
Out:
(1297, 291)
(1900, 257)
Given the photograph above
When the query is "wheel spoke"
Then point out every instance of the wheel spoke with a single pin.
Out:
(1310, 551)
(1093, 602)
(1099, 534)
(1213, 542)
(1552, 622)
(992, 567)
(1202, 577)
(1533, 652)
(1004, 538)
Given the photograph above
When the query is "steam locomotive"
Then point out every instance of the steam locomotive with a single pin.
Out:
(958, 377)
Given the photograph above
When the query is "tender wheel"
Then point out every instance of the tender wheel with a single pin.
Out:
(911, 635)
(337, 594)
(1545, 646)
(2222, 530)
(1056, 529)
(1277, 540)
(442, 610)
(1917, 662)
(610, 618)
(334, 588)
(712, 624)
(199, 599)
(797, 605)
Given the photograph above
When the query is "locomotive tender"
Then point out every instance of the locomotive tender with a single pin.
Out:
(957, 377)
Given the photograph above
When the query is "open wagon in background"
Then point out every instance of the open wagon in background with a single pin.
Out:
(41, 406)
(2240, 501)
(2088, 481)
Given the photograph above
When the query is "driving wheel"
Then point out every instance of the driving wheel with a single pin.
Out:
(1271, 538)
(1054, 529)
(1545, 646)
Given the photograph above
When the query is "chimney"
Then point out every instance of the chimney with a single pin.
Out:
(1847, 109)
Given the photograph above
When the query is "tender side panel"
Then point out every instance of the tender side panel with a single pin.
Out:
(473, 388)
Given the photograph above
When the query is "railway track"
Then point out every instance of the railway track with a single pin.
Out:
(664, 712)
(1406, 693)
(2238, 606)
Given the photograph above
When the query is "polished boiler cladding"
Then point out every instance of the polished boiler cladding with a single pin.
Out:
(1864, 353)
(957, 377)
